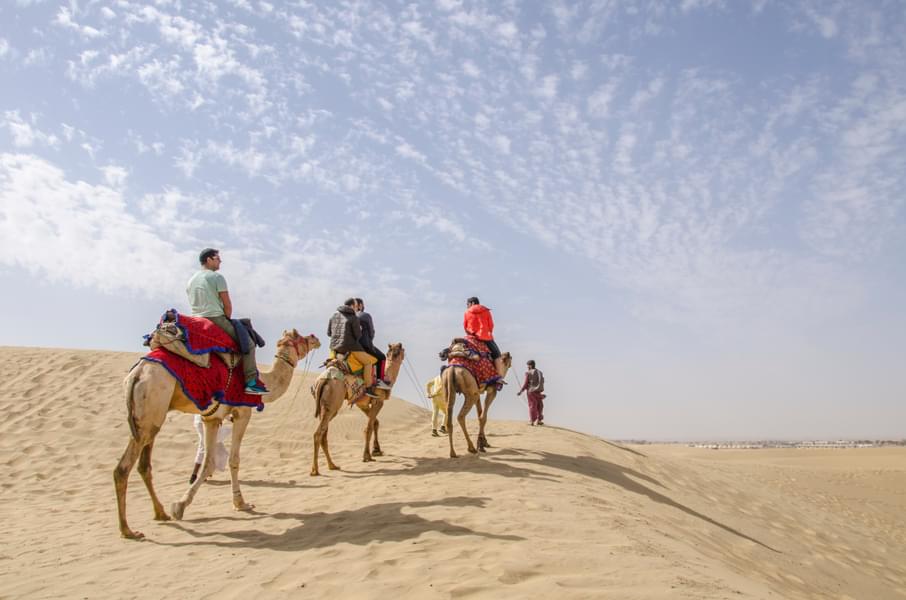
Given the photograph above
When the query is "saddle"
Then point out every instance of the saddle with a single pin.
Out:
(171, 334)
(347, 369)
(460, 348)
(183, 345)
(473, 355)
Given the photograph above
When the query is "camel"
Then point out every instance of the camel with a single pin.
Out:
(458, 380)
(151, 392)
(330, 394)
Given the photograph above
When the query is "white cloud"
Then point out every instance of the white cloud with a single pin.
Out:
(407, 151)
(115, 176)
(600, 100)
(508, 31)
(4, 48)
(77, 232)
(470, 69)
(502, 144)
(64, 19)
(24, 134)
(548, 88)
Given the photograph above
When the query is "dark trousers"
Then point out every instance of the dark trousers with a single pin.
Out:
(249, 366)
(492, 346)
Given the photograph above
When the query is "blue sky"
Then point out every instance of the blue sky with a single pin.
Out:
(690, 214)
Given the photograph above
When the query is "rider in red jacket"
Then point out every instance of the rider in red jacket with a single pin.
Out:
(478, 321)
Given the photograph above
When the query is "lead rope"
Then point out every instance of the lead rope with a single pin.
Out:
(292, 401)
(516, 382)
(413, 378)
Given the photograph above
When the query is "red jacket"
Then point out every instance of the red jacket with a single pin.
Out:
(478, 321)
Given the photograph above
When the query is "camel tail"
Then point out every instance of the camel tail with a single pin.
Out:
(449, 389)
(316, 393)
(131, 380)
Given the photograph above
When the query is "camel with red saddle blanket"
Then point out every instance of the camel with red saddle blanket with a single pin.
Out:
(471, 373)
(152, 390)
(337, 385)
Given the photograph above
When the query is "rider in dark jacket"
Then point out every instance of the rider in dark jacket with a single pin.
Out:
(345, 330)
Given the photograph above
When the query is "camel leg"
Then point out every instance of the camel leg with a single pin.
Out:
(448, 422)
(240, 424)
(320, 430)
(326, 448)
(461, 417)
(376, 406)
(369, 428)
(376, 447)
(211, 428)
(144, 469)
(483, 419)
(121, 482)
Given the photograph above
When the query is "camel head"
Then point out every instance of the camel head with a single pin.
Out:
(395, 352)
(507, 359)
(293, 342)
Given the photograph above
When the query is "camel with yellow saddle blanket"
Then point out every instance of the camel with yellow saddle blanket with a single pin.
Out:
(342, 382)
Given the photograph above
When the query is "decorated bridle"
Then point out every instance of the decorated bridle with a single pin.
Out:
(296, 342)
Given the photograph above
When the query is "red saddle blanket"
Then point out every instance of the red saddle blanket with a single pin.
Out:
(483, 369)
(201, 335)
(204, 385)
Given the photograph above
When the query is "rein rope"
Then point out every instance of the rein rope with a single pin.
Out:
(413, 378)
(309, 354)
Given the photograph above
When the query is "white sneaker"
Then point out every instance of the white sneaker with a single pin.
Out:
(380, 383)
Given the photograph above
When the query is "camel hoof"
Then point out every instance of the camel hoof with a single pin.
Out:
(177, 510)
(481, 449)
(162, 517)
(244, 507)
(132, 535)
(453, 455)
(334, 468)
(377, 452)
(314, 474)
(367, 459)
(473, 451)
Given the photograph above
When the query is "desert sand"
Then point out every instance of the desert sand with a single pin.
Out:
(546, 513)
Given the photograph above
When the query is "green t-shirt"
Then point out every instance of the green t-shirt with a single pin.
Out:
(203, 291)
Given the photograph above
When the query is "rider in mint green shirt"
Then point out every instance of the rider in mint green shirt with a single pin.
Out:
(209, 298)
(203, 291)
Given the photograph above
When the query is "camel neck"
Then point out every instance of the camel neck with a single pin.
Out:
(277, 379)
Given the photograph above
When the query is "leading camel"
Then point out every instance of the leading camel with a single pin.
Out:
(330, 394)
(458, 380)
(151, 392)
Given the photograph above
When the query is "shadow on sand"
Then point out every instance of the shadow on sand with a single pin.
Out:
(624, 477)
(465, 463)
(384, 522)
(291, 484)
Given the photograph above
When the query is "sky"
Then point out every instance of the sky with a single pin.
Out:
(691, 214)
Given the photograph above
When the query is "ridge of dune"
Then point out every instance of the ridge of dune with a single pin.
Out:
(546, 511)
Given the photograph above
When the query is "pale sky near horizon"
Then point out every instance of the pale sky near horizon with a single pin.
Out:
(691, 214)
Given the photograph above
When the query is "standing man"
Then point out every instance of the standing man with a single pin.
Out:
(345, 331)
(367, 339)
(478, 321)
(209, 298)
(534, 383)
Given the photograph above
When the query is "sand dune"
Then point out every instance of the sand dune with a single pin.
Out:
(546, 513)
